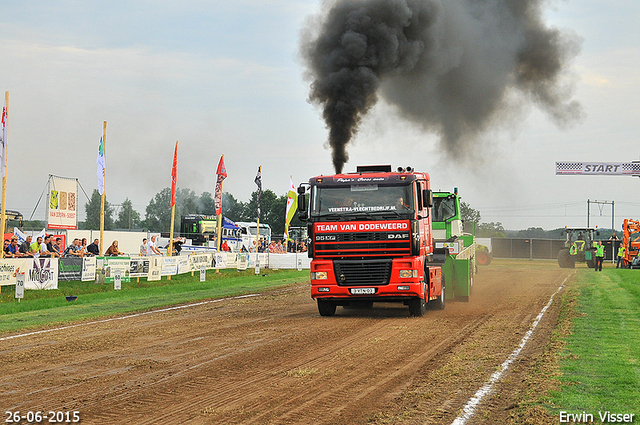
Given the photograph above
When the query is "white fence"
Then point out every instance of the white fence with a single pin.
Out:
(44, 273)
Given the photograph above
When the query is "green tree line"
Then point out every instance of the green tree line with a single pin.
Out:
(158, 212)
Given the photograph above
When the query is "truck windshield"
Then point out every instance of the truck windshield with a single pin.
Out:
(444, 208)
(369, 199)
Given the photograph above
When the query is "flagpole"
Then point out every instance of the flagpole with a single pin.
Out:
(104, 191)
(3, 220)
(220, 215)
(174, 189)
(258, 227)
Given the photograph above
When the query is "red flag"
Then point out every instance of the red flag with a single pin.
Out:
(221, 168)
(174, 176)
(222, 174)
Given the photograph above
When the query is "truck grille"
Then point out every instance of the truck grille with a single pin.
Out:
(363, 244)
(362, 272)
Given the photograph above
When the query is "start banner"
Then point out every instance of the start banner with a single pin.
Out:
(598, 168)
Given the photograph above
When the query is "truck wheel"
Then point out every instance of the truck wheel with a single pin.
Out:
(565, 260)
(483, 258)
(326, 308)
(438, 304)
(591, 264)
(417, 307)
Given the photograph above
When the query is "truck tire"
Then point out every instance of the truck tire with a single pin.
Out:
(565, 260)
(483, 258)
(326, 308)
(591, 263)
(417, 307)
(438, 303)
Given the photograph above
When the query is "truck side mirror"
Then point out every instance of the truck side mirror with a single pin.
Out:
(427, 198)
(302, 204)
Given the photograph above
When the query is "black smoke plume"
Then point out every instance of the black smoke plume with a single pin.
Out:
(448, 65)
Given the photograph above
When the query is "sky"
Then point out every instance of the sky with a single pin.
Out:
(227, 78)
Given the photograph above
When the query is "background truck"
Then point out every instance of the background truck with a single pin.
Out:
(371, 240)
(452, 246)
(631, 241)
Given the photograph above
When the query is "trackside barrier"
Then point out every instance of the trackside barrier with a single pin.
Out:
(44, 273)
(535, 249)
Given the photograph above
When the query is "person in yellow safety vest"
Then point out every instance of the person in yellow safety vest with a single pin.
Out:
(599, 256)
(573, 250)
(620, 262)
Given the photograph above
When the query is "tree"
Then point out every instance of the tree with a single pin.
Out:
(206, 204)
(232, 208)
(128, 218)
(92, 209)
(469, 214)
(490, 230)
(158, 212)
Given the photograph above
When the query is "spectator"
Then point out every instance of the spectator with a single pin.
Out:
(56, 248)
(93, 248)
(113, 250)
(25, 247)
(14, 249)
(143, 247)
(83, 247)
(72, 250)
(7, 242)
(36, 247)
(177, 244)
(225, 246)
(151, 247)
(272, 247)
(51, 252)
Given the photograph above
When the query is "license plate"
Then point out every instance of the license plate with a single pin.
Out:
(362, 291)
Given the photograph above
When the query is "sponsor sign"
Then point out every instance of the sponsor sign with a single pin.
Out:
(198, 261)
(169, 266)
(43, 274)
(61, 211)
(366, 226)
(139, 267)
(88, 269)
(70, 268)
(155, 268)
(106, 268)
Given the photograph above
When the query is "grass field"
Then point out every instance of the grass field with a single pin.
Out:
(41, 308)
(600, 363)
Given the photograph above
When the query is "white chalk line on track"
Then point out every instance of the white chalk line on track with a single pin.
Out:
(470, 408)
(128, 316)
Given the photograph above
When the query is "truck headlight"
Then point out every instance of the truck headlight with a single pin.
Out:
(318, 275)
(408, 273)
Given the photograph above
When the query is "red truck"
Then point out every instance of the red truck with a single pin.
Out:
(371, 240)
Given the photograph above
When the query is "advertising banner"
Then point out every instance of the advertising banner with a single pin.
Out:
(198, 261)
(42, 273)
(169, 266)
(139, 267)
(62, 208)
(70, 268)
(107, 266)
(9, 267)
(183, 264)
(88, 269)
(155, 268)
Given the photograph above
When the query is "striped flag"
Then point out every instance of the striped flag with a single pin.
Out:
(258, 182)
(292, 206)
(222, 174)
(174, 176)
(101, 167)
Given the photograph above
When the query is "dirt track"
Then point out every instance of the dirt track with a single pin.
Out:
(272, 359)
